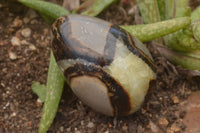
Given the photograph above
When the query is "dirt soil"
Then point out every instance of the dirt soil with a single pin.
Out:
(24, 58)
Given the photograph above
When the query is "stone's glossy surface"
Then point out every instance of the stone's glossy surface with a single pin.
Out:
(85, 88)
(93, 40)
(106, 67)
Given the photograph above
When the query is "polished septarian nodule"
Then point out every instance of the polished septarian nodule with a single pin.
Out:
(106, 67)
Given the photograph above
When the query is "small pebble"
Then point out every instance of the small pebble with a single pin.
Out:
(153, 127)
(71, 4)
(5, 116)
(26, 20)
(26, 32)
(62, 129)
(12, 56)
(139, 129)
(3, 85)
(68, 129)
(15, 41)
(163, 121)
(10, 30)
(32, 47)
(115, 122)
(131, 11)
(125, 128)
(31, 14)
(13, 114)
(7, 92)
(7, 104)
(143, 111)
(174, 128)
(46, 31)
(29, 123)
(34, 21)
(110, 125)
(82, 123)
(39, 103)
(24, 42)
(175, 99)
(90, 125)
(17, 23)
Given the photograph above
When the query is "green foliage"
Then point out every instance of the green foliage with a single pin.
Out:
(169, 9)
(147, 32)
(46, 8)
(176, 8)
(189, 60)
(55, 83)
(195, 14)
(181, 8)
(186, 40)
(161, 7)
(40, 90)
(196, 30)
(94, 7)
(149, 10)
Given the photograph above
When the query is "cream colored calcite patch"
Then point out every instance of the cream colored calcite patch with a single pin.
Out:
(92, 92)
(133, 74)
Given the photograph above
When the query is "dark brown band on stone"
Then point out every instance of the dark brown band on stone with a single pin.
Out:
(119, 98)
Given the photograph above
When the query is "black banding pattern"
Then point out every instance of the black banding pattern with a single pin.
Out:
(119, 98)
(73, 48)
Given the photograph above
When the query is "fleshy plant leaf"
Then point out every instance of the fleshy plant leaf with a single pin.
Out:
(93, 7)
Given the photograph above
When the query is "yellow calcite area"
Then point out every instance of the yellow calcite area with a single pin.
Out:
(133, 74)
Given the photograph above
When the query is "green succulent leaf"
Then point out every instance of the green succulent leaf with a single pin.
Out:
(195, 14)
(183, 40)
(189, 60)
(176, 8)
(181, 8)
(186, 39)
(93, 7)
(40, 90)
(152, 31)
(55, 83)
(161, 7)
(149, 10)
(196, 30)
(51, 10)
